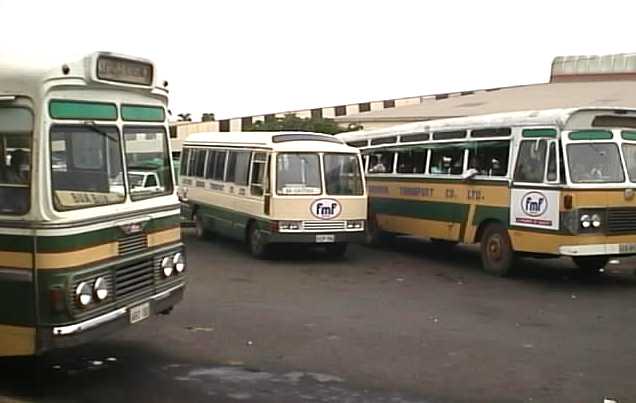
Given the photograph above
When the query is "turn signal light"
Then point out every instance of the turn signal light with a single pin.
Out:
(568, 202)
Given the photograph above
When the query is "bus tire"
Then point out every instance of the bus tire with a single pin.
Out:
(199, 227)
(336, 250)
(590, 264)
(375, 236)
(256, 242)
(497, 255)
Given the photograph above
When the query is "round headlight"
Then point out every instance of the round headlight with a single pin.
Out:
(166, 266)
(596, 220)
(84, 294)
(100, 289)
(178, 261)
(585, 221)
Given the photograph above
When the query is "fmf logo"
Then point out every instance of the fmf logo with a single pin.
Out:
(534, 204)
(325, 209)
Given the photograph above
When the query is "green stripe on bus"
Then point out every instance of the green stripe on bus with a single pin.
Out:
(425, 210)
(24, 243)
(534, 133)
(82, 110)
(483, 213)
(629, 135)
(142, 113)
(591, 135)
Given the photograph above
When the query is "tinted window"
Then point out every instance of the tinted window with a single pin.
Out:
(412, 161)
(489, 158)
(531, 161)
(448, 160)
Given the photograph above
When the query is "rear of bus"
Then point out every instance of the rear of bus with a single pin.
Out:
(318, 192)
(102, 251)
(597, 204)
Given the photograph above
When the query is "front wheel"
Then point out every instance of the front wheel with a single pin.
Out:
(497, 256)
(199, 227)
(256, 242)
(590, 264)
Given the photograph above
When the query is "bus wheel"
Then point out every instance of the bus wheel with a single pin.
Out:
(375, 236)
(199, 227)
(590, 264)
(256, 242)
(497, 256)
(336, 250)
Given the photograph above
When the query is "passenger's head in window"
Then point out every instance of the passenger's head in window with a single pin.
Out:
(15, 173)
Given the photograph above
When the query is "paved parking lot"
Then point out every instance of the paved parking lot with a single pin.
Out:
(403, 323)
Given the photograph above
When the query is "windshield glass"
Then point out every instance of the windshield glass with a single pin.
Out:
(298, 174)
(85, 164)
(595, 163)
(16, 126)
(147, 152)
(342, 174)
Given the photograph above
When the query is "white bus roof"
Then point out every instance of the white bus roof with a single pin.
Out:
(568, 118)
(286, 141)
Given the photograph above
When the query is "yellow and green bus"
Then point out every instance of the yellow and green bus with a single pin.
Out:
(85, 249)
(544, 183)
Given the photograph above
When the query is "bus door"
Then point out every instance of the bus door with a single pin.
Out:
(535, 193)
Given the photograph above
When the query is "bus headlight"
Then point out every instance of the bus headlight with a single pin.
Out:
(355, 224)
(100, 289)
(586, 221)
(289, 225)
(166, 266)
(596, 220)
(178, 262)
(83, 294)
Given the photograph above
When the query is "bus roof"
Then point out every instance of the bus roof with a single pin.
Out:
(566, 118)
(287, 140)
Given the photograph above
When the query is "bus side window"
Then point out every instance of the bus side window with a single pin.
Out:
(211, 163)
(219, 166)
(185, 155)
(381, 162)
(412, 161)
(489, 158)
(231, 166)
(241, 175)
(448, 160)
(531, 161)
(551, 174)
(258, 174)
(199, 164)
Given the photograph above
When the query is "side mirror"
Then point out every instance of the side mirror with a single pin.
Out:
(469, 174)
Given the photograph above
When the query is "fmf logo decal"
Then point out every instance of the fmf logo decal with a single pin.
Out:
(534, 204)
(325, 209)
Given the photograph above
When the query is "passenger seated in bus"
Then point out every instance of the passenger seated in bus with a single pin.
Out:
(378, 167)
(15, 175)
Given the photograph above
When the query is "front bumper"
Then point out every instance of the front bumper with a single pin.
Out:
(598, 249)
(310, 237)
(102, 325)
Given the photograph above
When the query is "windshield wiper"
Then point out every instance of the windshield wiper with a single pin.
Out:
(91, 125)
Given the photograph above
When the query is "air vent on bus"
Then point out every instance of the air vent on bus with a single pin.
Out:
(621, 220)
(133, 243)
(134, 278)
(318, 226)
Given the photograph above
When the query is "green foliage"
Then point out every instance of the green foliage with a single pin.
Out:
(292, 122)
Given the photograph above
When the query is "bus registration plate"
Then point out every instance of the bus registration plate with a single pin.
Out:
(325, 238)
(139, 312)
(627, 248)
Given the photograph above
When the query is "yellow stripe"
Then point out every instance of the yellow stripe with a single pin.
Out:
(63, 260)
(16, 340)
(471, 230)
(530, 241)
(163, 237)
(419, 227)
(599, 198)
(16, 260)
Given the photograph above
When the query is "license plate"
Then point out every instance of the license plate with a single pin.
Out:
(325, 238)
(139, 312)
(627, 248)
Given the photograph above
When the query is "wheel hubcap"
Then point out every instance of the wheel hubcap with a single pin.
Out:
(495, 248)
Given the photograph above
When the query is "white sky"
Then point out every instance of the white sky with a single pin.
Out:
(237, 58)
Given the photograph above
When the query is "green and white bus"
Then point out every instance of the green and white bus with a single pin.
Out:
(84, 250)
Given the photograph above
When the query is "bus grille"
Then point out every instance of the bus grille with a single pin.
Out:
(136, 277)
(621, 220)
(133, 243)
(326, 226)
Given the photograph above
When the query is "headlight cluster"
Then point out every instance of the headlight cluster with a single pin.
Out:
(356, 224)
(173, 264)
(590, 221)
(88, 292)
(289, 225)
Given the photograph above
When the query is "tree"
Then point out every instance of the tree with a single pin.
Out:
(208, 117)
(185, 117)
(292, 122)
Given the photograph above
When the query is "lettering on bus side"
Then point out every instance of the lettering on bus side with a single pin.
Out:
(325, 209)
(416, 191)
(475, 195)
(376, 189)
(450, 193)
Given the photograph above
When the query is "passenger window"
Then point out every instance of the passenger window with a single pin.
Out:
(258, 174)
(198, 164)
(185, 155)
(551, 175)
(219, 166)
(381, 162)
(209, 171)
(242, 168)
(448, 160)
(531, 161)
(489, 158)
(231, 167)
(412, 161)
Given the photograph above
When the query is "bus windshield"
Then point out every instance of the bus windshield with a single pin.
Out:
(86, 162)
(16, 126)
(595, 163)
(298, 174)
(147, 152)
(343, 175)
